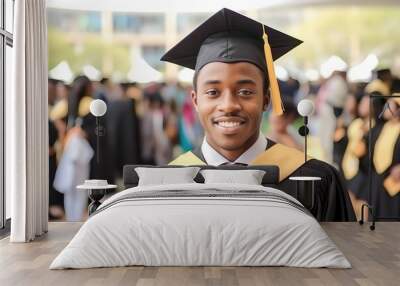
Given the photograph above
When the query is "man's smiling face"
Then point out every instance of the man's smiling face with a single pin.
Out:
(230, 100)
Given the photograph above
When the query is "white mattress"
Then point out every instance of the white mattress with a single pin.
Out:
(202, 231)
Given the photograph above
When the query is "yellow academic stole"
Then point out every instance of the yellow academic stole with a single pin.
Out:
(351, 162)
(286, 158)
(383, 154)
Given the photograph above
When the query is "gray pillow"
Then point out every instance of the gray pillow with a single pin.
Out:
(248, 177)
(162, 176)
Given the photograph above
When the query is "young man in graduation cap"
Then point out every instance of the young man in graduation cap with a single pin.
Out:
(234, 81)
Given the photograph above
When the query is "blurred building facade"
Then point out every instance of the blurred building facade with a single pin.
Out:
(151, 33)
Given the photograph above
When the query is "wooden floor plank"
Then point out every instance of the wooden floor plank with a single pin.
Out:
(375, 257)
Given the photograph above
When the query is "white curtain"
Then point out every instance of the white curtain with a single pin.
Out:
(27, 123)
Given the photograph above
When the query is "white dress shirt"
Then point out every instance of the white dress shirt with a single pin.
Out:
(214, 158)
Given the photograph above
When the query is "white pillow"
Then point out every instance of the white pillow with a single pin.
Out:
(248, 177)
(162, 176)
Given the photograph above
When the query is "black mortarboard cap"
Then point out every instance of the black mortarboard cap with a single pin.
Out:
(228, 36)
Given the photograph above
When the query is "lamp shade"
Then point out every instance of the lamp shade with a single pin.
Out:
(305, 107)
(98, 107)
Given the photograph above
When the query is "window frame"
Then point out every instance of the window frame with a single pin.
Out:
(6, 39)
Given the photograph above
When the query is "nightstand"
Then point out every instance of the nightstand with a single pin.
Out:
(96, 191)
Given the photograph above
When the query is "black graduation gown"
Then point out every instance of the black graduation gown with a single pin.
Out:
(123, 133)
(332, 202)
(358, 184)
(386, 206)
(339, 147)
(55, 198)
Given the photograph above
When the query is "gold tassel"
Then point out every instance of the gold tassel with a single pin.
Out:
(277, 105)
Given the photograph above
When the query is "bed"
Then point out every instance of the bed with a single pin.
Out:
(201, 224)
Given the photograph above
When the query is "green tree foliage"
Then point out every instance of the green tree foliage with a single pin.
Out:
(349, 32)
(58, 48)
(88, 49)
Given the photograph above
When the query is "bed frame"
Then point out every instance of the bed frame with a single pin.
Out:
(270, 179)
